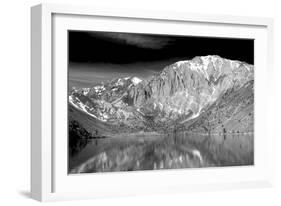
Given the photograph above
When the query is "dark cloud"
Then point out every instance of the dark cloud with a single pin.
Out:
(138, 40)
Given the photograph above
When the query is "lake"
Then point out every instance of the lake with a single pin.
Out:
(132, 152)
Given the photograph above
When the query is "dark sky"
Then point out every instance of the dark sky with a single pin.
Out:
(99, 56)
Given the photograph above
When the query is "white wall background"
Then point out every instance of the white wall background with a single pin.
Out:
(15, 100)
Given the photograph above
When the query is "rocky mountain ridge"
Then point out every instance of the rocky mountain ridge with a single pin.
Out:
(181, 93)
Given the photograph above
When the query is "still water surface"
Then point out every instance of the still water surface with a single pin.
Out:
(153, 151)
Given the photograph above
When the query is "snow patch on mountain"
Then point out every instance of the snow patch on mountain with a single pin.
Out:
(86, 91)
(119, 82)
(79, 105)
(179, 63)
(136, 80)
(99, 89)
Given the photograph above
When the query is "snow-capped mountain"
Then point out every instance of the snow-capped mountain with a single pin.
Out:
(106, 102)
(181, 92)
(187, 87)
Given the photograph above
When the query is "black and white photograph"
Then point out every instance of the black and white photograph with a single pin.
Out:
(155, 101)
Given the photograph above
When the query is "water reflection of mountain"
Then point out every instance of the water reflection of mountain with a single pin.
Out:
(163, 152)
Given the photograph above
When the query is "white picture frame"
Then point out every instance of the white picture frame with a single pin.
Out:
(49, 179)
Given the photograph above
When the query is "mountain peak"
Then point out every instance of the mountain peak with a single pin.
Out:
(203, 60)
(208, 66)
